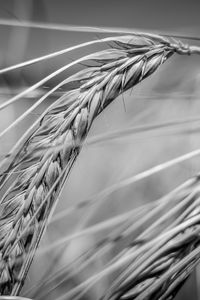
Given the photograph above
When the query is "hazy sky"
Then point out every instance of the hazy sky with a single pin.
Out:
(126, 13)
(131, 13)
(182, 16)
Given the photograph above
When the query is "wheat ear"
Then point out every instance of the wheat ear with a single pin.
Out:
(48, 154)
(155, 263)
(162, 257)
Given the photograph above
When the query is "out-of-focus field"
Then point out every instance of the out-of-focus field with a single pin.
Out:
(172, 93)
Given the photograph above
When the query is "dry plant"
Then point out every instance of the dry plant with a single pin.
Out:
(152, 264)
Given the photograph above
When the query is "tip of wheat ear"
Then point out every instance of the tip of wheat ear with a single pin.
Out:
(47, 155)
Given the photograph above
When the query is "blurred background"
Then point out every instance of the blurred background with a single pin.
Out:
(172, 93)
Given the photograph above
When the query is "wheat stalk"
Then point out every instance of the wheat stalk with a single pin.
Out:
(52, 145)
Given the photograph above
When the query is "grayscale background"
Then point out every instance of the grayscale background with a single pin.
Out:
(171, 93)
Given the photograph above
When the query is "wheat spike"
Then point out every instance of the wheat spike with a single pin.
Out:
(48, 154)
(167, 255)
(155, 263)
